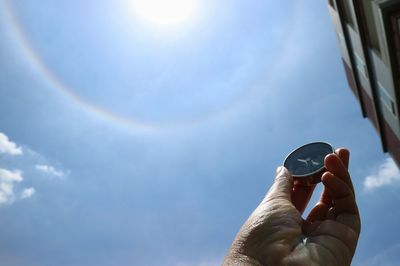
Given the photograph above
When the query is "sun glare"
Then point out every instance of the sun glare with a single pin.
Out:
(166, 12)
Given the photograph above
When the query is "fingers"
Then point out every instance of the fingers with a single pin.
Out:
(337, 200)
(331, 214)
(344, 156)
(282, 186)
(324, 207)
(318, 213)
(336, 166)
(341, 193)
(344, 208)
(351, 220)
(301, 196)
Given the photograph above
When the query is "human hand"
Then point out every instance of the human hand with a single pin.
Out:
(276, 234)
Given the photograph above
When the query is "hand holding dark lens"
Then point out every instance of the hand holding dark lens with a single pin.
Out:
(276, 234)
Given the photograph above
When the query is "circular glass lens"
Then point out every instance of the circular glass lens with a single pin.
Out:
(307, 159)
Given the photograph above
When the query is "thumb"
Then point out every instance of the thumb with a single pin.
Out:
(282, 186)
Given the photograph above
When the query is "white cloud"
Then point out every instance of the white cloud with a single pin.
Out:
(50, 170)
(27, 192)
(8, 147)
(387, 174)
(9, 190)
(7, 180)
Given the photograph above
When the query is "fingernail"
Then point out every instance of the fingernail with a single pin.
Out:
(279, 170)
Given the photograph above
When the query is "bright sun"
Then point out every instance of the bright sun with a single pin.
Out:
(166, 12)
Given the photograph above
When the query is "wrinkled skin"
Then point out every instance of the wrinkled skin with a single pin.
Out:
(276, 233)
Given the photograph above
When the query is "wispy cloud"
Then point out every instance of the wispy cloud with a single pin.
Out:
(8, 147)
(50, 170)
(7, 181)
(27, 192)
(388, 256)
(209, 262)
(387, 174)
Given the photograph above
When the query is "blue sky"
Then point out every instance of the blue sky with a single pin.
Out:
(128, 143)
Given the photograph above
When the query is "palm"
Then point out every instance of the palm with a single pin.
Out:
(276, 234)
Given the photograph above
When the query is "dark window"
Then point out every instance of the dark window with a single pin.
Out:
(393, 108)
(387, 99)
(369, 24)
(347, 13)
(332, 3)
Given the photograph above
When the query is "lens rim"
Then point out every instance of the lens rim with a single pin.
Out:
(285, 162)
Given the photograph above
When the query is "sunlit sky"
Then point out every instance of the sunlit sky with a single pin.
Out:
(138, 134)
